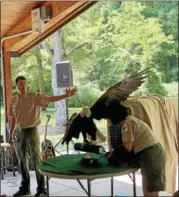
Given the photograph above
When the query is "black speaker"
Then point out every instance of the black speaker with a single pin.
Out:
(64, 74)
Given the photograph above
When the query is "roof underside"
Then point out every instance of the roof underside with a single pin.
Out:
(16, 19)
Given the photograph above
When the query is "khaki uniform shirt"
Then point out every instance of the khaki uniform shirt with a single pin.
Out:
(25, 111)
(138, 132)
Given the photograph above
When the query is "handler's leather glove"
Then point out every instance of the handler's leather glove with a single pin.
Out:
(120, 155)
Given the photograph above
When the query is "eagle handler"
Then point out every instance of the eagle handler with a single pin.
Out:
(138, 137)
(24, 117)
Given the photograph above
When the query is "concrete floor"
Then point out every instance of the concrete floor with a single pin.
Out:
(65, 187)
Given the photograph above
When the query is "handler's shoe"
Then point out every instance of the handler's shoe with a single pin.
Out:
(41, 193)
(22, 193)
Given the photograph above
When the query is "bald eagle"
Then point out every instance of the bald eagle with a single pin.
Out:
(108, 106)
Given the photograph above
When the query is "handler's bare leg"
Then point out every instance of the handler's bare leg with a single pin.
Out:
(146, 193)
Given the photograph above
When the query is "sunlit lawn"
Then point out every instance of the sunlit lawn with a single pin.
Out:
(55, 138)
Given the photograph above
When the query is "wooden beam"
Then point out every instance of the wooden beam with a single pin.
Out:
(7, 81)
(10, 42)
(14, 54)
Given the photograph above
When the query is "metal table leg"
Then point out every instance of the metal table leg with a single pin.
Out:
(112, 191)
(82, 186)
(47, 182)
(134, 184)
(89, 187)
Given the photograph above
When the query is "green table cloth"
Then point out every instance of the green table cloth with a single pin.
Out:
(71, 165)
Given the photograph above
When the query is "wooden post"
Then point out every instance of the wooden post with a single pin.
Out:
(7, 84)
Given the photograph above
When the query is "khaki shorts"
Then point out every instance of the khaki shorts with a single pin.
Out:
(152, 163)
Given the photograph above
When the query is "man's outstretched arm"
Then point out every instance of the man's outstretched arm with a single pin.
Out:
(69, 93)
(45, 100)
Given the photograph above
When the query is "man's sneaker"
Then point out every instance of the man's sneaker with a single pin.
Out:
(22, 193)
(41, 193)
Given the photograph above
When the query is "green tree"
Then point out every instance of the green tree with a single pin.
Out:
(167, 57)
(131, 41)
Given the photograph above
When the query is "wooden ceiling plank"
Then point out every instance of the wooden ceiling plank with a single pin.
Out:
(26, 23)
(54, 25)
(22, 15)
(22, 26)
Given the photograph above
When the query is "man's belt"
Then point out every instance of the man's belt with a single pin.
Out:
(28, 128)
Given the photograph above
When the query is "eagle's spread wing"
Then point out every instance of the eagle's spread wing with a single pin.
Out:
(124, 88)
(119, 92)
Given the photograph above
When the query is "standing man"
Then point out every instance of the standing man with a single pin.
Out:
(25, 117)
